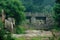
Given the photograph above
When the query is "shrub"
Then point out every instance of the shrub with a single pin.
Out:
(3, 33)
(20, 30)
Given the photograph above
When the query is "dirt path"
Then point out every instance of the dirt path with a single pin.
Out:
(34, 33)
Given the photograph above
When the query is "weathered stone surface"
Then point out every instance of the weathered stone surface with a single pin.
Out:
(34, 33)
(39, 20)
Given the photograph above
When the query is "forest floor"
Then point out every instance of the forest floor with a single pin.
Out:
(34, 34)
(45, 35)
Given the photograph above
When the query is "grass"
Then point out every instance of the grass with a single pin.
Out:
(36, 38)
(32, 38)
(21, 38)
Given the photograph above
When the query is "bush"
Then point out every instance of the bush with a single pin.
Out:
(13, 8)
(3, 33)
(20, 30)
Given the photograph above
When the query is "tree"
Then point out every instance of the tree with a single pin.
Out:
(37, 5)
(13, 8)
(57, 13)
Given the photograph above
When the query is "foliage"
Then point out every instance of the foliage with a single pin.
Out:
(3, 33)
(13, 8)
(57, 14)
(20, 30)
(37, 5)
(8, 36)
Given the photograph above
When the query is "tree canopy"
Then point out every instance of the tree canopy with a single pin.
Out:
(13, 8)
(37, 5)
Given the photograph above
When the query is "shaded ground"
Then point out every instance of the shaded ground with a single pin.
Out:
(45, 35)
(34, 33)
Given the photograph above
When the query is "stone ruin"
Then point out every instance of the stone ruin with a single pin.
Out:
(9, 22)
(39, 20)
(33, 20)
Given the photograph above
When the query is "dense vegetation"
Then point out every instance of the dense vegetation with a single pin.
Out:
(13, 8)
(57, 13)
(38, 5)
(4, 35)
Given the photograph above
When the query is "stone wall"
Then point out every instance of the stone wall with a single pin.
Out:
(39, 20)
